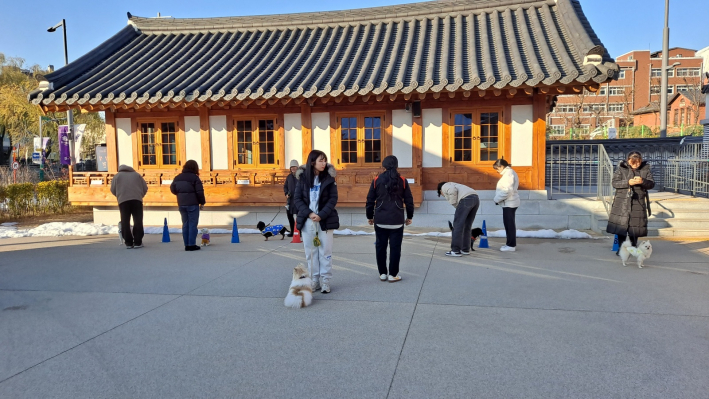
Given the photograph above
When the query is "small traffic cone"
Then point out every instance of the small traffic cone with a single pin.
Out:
(483, 238)
(616, 244)
(235, 233)
(296, 236)
(165, 232)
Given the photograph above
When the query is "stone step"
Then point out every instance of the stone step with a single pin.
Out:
(680, 223)
(683, 214)
(672, 232)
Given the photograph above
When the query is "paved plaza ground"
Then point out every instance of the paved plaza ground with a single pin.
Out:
(80, 317)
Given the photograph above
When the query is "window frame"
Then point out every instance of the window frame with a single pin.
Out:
(158, 121)
(383, 127)
(255, 141)
(688, 72)
(476, 112)
(556, 132)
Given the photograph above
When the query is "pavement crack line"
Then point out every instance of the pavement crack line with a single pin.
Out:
(134, 318)
(403, 345)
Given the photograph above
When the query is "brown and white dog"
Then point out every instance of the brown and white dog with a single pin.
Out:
(300, 293)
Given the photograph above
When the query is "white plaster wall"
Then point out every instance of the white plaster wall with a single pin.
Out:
(292, 127)
(193, 139)
(402, 143)
(522, 135)
(321, 132)
(432, 138)
(125, 143)
(218, 140)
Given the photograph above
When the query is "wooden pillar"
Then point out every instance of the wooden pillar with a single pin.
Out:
(306, 122)
(204, 132)
(417, 147)
(111, 142)
(540, 140)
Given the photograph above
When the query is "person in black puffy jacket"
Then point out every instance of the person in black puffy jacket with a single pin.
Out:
(190, 199)
(388, 194)
(315, 199)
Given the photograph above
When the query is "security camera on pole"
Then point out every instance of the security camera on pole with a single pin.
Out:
(69, 113)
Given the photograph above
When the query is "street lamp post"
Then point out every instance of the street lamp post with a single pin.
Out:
(663, 84)
(69, 113)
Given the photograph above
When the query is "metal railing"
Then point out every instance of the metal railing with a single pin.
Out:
(688, 171)
(573, 169)
(605, 191)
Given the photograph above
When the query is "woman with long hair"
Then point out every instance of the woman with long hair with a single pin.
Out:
(190, 199)
(631, 204)
(388, 194)
(507, 197)
(315, 200)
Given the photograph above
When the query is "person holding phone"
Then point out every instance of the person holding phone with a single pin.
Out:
(631, 204)
(188, 188)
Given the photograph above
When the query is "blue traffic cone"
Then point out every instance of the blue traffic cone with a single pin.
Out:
(235, 234)
(165, 232)
(483, 238)
(616, 244)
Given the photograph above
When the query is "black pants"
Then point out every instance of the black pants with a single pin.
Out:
(392, 238)
(508, 219)
(291, 221)
(132, 208)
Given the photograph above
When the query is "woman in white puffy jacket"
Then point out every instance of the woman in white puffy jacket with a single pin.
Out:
(506, 195)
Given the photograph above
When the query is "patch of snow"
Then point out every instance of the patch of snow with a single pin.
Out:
(58, 229)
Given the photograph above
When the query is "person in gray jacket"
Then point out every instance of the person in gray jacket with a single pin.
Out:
(466, 202)
(129, 187)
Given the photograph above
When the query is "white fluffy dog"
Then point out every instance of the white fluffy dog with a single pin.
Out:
(300, 293)
(641, 252)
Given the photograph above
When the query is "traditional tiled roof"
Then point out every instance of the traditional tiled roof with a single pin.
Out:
(421, 47)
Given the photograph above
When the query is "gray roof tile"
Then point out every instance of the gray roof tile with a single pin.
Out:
(432, 46)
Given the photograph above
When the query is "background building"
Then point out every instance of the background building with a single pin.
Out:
(633, 98)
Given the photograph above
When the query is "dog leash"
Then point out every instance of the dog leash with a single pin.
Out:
(274, 218)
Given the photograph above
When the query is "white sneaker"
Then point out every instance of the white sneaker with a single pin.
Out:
(505, 248)
(451, 253)
(325, 288)
(383, 277)
(393, 279)
(315, 285)
(465, 252)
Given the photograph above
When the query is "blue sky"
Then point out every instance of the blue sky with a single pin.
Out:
(622, 25)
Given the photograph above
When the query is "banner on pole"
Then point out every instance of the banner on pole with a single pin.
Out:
(64, 155)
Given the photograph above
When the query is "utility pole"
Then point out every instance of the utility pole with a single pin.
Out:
(663, 85)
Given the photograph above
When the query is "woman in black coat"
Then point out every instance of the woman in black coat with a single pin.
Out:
(289, 191)
(188, 188)
(388, 194)
(631, 205)
(315, 199)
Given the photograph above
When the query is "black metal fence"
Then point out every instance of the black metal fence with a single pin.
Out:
(572, 165)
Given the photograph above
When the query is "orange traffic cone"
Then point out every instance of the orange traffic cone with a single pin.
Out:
(296, 236)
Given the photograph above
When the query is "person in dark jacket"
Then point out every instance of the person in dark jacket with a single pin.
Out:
(190, 199)
(631, 205)
(388, 194)
(315, 199)
(289, 190)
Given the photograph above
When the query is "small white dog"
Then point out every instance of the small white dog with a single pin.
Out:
(300, 293)
(641, 252)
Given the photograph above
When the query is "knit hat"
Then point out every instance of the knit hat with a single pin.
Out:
(294, 163)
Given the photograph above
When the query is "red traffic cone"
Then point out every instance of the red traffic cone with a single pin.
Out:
(296, 236)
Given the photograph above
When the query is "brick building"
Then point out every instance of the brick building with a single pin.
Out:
(634, 97)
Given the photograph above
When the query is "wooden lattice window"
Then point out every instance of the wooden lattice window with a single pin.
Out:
(255, 142)
(476, 136)
(158, 144)
(360, 139)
